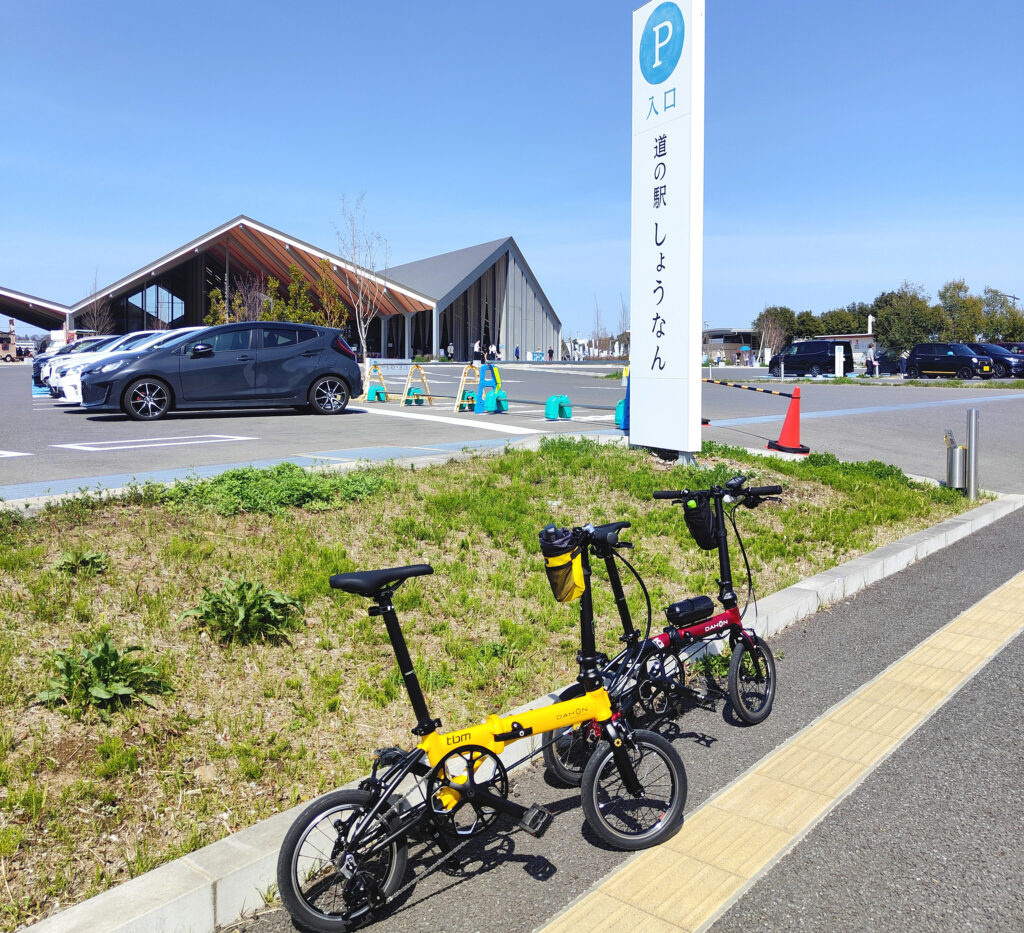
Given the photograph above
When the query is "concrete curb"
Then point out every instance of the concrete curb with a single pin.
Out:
(221, 882)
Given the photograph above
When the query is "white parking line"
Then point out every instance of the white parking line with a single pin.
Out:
(501, 428)
(13, 453)
(156, 442)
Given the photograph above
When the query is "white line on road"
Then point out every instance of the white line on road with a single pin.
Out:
(461, 422)
(13, 453)
(97, 446)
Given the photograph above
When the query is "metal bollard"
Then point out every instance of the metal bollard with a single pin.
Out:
(972, 454)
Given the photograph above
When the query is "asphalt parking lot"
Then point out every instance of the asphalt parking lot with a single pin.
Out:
(47, 446)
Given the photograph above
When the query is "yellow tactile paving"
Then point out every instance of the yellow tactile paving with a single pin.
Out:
(726, 844)
(730, 841)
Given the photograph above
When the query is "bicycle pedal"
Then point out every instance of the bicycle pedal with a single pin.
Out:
(536, 820)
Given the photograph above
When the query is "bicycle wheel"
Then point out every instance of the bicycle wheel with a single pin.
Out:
(631, 822)
(315, 891)
(752, 681)
(567, 756)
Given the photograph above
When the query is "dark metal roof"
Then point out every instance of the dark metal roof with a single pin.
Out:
(448, 275)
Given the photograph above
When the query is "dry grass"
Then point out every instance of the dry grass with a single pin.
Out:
(251, 730)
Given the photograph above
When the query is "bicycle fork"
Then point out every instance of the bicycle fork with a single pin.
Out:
(618, 737)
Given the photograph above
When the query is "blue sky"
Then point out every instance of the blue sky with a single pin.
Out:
(848, 146)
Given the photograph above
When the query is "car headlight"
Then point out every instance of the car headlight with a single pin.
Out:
(110, 367)
(974, 359)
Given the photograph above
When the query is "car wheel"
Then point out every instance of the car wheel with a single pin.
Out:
(999, 371)
(773, 370)
(964, 372)
(328, 395)
(815, 370)
(53, 392)
(146, 400)
(913, 372)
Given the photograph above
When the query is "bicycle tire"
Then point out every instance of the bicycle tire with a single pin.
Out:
(567, 751)
(752, 681)
(656, 814)
(316, 895)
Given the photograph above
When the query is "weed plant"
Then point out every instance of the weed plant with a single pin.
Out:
(254, 727)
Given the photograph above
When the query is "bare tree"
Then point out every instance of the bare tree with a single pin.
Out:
(249, 296)
(598, 332)
(96, 315)
(365, 274)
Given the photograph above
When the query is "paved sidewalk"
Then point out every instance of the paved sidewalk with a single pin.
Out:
(541, 877)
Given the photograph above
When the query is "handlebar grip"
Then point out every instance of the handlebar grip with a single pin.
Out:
(609, 533)
(667, 494)
(763, 490)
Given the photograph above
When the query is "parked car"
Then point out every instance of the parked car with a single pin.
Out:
(887, 363)
(76, 346)
(1004, 362)
(257, 364)
(71, 379)
(947, 359)
(121, 342)
(811, 358)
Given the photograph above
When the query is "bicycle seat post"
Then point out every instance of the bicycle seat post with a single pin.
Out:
(726, 594)
(385, 607)
(590, 672)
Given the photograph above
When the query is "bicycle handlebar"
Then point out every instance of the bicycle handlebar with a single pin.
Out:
(608, 533)
(763, 490)
(736, 492)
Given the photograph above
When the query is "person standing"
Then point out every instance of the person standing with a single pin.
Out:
(551, 354)
(451, 350)
(869, 361)
(517, 353)
(478, 354)
(904, 356)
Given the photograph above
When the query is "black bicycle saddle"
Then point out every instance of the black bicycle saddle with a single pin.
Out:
(374, 582)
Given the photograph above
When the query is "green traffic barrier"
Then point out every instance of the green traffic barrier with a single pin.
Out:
(468, 401)
(558, 408)
(377, 394)
(415, 396)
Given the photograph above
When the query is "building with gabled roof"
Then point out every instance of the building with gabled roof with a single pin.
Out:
(486, 292)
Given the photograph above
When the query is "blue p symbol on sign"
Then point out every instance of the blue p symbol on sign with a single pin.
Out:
(661, 43)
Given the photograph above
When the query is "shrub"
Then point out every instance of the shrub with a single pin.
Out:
(84, 563)
(246, 611)
(101, 676)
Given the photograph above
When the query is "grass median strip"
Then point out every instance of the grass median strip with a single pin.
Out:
(92, 793)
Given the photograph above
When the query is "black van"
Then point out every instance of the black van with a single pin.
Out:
(812, 358)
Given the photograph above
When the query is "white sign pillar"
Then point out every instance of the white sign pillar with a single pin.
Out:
(666, 242)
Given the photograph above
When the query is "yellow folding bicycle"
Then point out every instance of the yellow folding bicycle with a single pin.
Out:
(346, 855)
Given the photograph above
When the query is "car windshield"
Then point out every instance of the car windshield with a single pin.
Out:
(177, 340)
(993, 350)
(961, 349)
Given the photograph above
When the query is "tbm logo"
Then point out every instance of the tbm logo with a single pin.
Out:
(456, 739)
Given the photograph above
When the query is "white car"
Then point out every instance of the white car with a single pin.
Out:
(63, 355)
(71, 380)
(124, 342)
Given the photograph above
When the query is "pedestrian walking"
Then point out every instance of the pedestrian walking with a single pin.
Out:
(451, 350)
(478, 354)
(869, 361)
(517, 353)
(551, 354)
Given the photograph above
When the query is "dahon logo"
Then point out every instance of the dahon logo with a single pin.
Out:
(661, 43)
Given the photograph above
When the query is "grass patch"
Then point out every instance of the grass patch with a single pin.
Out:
(255, 726)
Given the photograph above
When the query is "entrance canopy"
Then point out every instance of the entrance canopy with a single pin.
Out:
(39, 312)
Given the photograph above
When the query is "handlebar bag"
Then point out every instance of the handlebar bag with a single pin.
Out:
(700, 519)
(563, 561)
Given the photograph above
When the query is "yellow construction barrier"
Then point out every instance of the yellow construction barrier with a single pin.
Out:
(465, 399)
(414, 395)
(374, 392)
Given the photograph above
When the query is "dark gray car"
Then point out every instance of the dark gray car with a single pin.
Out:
(260, 364)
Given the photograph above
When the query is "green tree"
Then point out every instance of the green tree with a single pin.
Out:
(840, 321)
(904, 317)
(218, 311)
(1002, 319)
(965, 313)
(294, 304)
(808, 324)
(333, 312)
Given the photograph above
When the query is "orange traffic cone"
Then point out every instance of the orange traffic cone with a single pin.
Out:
(789, 439)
